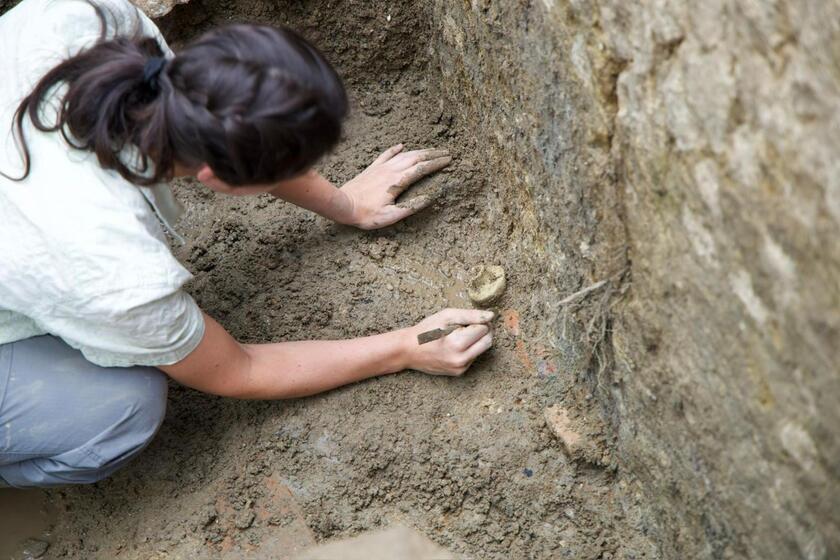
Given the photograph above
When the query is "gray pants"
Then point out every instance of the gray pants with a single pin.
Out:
(64, 420)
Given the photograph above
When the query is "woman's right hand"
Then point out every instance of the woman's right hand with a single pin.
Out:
(222, 366)
(454, 353)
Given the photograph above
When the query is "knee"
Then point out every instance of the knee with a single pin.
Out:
(117, 428)
(145, 411)
(141, 414)
(136, 416)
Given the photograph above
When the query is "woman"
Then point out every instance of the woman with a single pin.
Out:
(92, 310)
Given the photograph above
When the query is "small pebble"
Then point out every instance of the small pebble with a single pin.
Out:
(34, 548)
(244, 520)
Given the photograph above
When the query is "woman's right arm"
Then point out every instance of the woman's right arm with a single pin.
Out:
(222, 366)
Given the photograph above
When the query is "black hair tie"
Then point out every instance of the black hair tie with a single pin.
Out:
(151, 72)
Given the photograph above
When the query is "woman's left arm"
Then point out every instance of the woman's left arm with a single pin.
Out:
(368, 200)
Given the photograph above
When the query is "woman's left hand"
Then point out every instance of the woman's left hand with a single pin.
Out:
(371, 194)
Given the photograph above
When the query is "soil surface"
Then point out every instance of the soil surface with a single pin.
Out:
(468, 461)
(26, 518)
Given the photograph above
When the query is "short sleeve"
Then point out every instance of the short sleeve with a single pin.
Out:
(132, 327)
(84, 257)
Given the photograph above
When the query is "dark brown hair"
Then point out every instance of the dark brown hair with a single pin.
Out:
(258, 104)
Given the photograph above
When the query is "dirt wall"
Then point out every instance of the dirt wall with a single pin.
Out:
(709, 132)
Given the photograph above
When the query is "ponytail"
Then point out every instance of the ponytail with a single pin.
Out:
(258, 104)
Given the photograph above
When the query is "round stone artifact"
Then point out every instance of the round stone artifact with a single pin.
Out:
(487, 285)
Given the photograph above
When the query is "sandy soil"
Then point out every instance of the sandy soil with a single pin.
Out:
(469, 461)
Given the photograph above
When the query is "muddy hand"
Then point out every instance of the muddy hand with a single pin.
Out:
(372, 193)
(454, 353)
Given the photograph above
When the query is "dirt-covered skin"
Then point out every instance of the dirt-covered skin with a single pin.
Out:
(468, 461)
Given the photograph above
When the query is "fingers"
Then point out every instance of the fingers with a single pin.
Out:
(388, 154)
(420, 170)
(454, 353)
(409, 207)
(466, 316)
(416, 173)
(415, 204)
(407, 160)
(482, 345)
(396, 212)
(463, 338)
(468, 356)
(426, 155)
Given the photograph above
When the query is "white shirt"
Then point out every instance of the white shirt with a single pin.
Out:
(83, 255)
